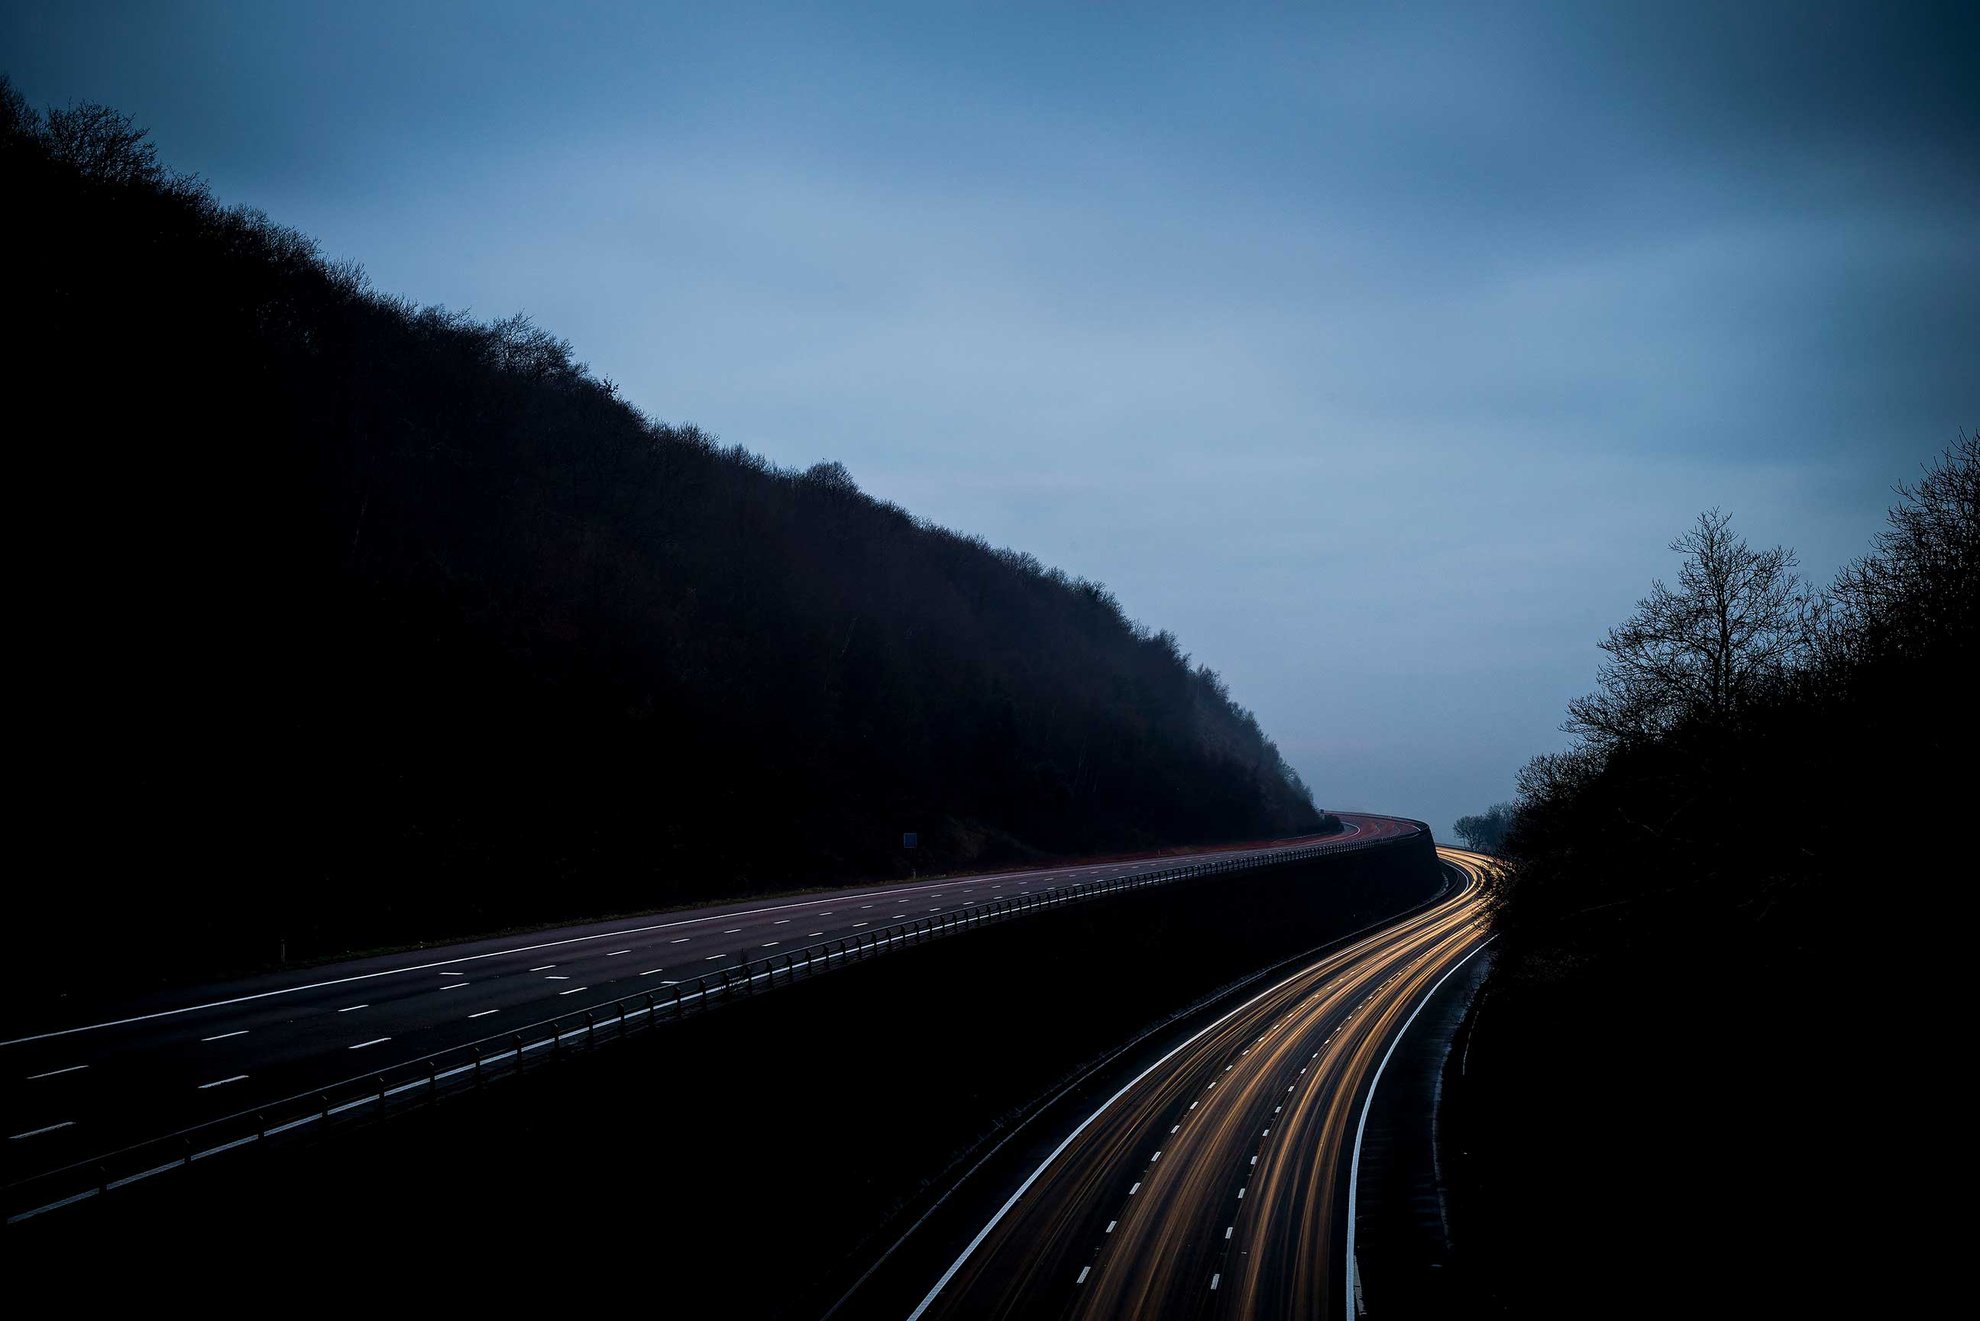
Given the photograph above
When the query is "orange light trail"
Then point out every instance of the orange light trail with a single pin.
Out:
(1217, 1184)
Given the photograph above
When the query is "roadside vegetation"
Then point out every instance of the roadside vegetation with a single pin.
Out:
(343, 621)
(1708, 1064)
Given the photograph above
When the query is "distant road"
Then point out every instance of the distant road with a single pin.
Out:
(1218, 1183)
(75, 1090)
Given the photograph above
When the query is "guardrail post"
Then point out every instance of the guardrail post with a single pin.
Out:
(381, 1093)
(323, 1098)
(261, 1124)
(519, 1052)
(432, 1079)
(477, 1066)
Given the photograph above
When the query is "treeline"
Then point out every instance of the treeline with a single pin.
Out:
(342, 621)
(1714, 1029)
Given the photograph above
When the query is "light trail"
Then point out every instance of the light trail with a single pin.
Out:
(1255, 1119)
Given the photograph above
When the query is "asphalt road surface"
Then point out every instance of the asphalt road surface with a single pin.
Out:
(76, 1090)
(1219, 1182)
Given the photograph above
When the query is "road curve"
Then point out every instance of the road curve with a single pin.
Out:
(1218, 1183)
(73, 1090)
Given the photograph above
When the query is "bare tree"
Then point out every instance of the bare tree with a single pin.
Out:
(1735, 623)
(102, 144)
(1921, 586)
(1488, 829)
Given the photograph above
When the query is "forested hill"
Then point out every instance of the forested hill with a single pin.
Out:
(344, 621)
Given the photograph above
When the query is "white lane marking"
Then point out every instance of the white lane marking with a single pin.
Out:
(862, 924)
(32, 1077)
(574, 990)
(732, 931)
(373, 1042)
(650, 971)
(1152, 1159)
(768, 943)
(1131, 1192)
(1213, 1282)
(682, 941)
(711, 958)
(826, 913)
(617, 952)
(485, 1013)
(544, 967)
(981, 1234)
(37, 1132)
(1174, 1129)
(1240, 1194)
(781, 922)
(1227, 1231)
(455, 986)
(453, 974)
(464, 958)
(1083, 1270)
(224, 1035)
(561, 976)
(223, 1082)
(1354, 1165)
(809, 934)
(1111, 1224)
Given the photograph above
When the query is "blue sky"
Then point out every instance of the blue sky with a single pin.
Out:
(1376, 351)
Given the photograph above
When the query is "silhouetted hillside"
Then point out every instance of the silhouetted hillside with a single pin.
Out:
(340, 620)
(1711, 1070)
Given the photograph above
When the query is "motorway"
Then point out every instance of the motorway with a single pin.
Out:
(1219, 1182)
(73, 1091)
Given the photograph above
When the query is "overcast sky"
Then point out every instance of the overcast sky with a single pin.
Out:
(1375, 351)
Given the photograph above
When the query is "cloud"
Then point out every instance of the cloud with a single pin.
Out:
(1377, 352)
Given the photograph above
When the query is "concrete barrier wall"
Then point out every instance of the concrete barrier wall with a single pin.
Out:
(797, 1128)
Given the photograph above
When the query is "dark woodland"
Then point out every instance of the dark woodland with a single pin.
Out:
(1718, 901)
(412, 622)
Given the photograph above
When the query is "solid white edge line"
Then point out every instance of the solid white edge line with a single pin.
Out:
(352, 1105)
(569, 940)
(956, 1265)
(1032, 1178)
(1354, 1166)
